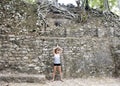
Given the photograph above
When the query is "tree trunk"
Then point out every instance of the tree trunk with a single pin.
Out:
(119, 4)
(78, 3)
(87, 5)
(106, 6)
(55, 2)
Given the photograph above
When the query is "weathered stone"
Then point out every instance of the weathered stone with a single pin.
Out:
(26, 58)
(18, 78)
(89, 49)
(117, 52)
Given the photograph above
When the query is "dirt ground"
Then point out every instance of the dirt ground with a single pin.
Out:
(72, 82)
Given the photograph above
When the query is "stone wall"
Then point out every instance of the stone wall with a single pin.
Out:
(81, 57)
(90, 49)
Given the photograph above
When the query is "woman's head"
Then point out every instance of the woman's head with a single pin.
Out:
(57, 50)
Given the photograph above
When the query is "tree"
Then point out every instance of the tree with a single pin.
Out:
(106, 6)
(119, 4)
(55, 2)
(78, 3)
(87, 5)
(84, 4)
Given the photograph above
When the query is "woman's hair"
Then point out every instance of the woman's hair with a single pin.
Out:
(57, 49)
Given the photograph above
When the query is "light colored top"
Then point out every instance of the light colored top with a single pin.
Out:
(56, 58)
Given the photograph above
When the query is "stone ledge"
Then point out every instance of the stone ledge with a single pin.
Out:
(18, 78)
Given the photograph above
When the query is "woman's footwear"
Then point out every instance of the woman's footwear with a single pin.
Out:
(61, 80)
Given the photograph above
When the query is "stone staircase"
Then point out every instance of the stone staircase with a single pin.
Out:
(18, 78)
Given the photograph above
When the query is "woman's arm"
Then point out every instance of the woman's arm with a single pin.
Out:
(60, 48)
(54, 51)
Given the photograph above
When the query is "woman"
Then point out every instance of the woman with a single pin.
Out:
(57, 63)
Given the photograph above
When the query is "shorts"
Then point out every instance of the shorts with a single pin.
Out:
(57, 64)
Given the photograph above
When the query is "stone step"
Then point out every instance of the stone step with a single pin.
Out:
(18, 78)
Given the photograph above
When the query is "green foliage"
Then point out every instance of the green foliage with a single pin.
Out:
(99, 4)
(96, 4)
(112, 3)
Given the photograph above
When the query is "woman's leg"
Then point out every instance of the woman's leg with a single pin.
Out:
(54, 72)
(60, 71)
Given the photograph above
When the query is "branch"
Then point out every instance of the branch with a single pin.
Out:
(62, 10)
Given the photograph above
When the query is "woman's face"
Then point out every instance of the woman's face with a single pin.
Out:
(58, 51)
